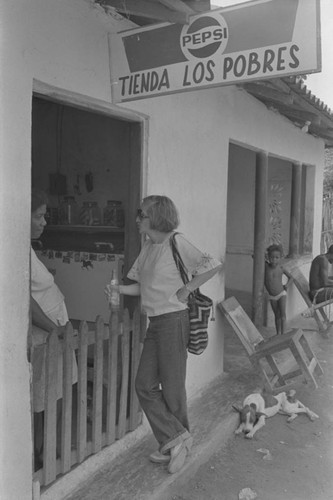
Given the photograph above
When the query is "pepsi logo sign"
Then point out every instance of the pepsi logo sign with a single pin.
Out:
(204, 36)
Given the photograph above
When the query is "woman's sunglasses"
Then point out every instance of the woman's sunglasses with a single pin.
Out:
(141, 215)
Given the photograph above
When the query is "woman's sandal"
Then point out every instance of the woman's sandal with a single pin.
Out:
(159, 458)
(178, 457)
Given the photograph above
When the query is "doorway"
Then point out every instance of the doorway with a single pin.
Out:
(90, 158)
(84, 156)
(241, 216)
(240, 225)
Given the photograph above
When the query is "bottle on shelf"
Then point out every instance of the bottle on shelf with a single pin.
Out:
(90, 214)
(53, 213)
(69, 211)
(114, 298)
(113, 214)
(96, 214)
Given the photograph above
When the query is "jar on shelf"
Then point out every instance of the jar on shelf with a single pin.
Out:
(53, 216)
(113, 214)
(68, 211)
(90, 214)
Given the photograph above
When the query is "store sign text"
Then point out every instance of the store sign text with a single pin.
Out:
(232, 67)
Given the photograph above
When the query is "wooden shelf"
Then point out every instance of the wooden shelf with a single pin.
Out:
(84, 228)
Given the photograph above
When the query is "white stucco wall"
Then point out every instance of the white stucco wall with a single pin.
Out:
(64, 44)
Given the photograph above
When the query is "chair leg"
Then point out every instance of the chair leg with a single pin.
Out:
(296, 350)
(324, 315)
(259, 368)
(320, 322)
(319, 368)
(275, 369)
(306, 348)
(310, 354)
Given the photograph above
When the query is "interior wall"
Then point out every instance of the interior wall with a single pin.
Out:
(279, 202)
(63, 44)
(241, 216)
(74, 143)
(240, 219)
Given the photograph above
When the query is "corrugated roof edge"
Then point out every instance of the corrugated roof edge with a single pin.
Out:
(297, 84)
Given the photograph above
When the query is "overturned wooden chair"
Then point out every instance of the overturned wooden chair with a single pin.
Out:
(278, 375)
(319, 312)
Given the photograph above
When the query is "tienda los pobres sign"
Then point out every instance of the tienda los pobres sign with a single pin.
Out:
(255, 40)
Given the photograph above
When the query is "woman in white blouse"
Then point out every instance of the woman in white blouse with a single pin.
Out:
(48, 312)
(48, 303)
(160, 381)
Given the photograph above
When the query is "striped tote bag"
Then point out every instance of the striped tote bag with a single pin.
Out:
(200, 307)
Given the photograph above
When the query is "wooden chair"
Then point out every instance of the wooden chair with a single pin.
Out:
(278, 376)
(317, 311)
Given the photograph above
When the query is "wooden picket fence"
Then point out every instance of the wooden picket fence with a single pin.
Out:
(107, 406)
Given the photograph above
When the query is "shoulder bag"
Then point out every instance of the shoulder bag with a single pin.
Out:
(200, 307)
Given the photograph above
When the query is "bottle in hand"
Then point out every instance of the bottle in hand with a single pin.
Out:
(114, 296)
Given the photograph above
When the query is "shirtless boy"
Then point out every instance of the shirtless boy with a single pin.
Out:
(273, 284)
(319, 277)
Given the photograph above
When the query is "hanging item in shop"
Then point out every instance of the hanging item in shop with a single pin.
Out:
(89, 180)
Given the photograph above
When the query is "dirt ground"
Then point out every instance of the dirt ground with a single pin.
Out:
(300, 461)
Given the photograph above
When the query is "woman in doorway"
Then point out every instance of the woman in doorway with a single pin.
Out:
(47, 302)
(48, 312)
(160, 381)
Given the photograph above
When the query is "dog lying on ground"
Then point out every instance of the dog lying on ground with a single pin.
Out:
(292, 406)
(259, 406)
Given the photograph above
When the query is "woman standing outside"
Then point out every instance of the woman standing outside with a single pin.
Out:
(160, 380)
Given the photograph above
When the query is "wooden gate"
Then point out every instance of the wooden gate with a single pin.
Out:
(102, 407)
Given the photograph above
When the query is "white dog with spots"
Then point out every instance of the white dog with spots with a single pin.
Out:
(260, 405)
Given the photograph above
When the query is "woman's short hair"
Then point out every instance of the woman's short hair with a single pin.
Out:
(38, 198)
(162, 213)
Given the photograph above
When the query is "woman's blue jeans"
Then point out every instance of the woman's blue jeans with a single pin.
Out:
(160, 380)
